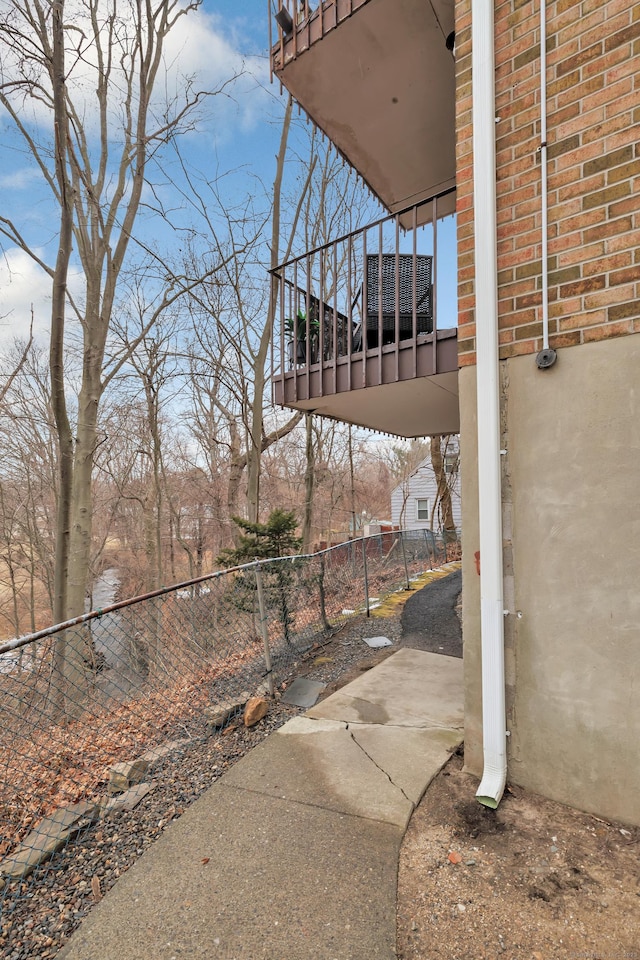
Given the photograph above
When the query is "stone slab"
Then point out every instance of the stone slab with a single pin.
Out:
(411, 688)
(233, 880)
(50, 834)
(319, 763)
(130, 799)
(125, 773)
(163, 750)
(376, 642)
(303, 692)
(217, 714)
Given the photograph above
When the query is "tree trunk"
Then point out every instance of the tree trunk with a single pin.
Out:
(150, 543)
(352, 485)
(443, 495)
(309, 478)
(64, 666)
(254, 452)
(236, 468)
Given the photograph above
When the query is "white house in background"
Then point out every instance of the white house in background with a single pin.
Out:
(414, 503)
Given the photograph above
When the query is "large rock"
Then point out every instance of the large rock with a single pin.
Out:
(130, 772)
(218, 714)
(256, 709)
(50, 834)
(129, 799)
(159, 753)
(127, 773)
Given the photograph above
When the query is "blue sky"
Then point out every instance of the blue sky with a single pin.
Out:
(239, 139)
(239, 135)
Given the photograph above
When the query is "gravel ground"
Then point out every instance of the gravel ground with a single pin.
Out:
(53, 902)
(532, 880)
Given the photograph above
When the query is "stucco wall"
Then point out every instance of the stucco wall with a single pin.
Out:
(572, 436)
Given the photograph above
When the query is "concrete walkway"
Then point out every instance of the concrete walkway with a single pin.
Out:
(293, 854)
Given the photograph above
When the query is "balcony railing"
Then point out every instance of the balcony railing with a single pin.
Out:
(297, 24)
(358, 310)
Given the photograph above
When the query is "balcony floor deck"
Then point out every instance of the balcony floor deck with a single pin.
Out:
(390, 390)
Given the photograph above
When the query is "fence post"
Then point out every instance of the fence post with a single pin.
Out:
(326, 626)
(404, 560)
(428, 546)
(366, 577)
(264, 630)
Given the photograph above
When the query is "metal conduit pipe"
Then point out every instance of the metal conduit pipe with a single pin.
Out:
(488, 406)
(547, 356)
(543, 177)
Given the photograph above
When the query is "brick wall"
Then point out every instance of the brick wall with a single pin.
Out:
(593, 111)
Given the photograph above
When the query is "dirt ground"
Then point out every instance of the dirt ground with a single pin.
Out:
(533, 880)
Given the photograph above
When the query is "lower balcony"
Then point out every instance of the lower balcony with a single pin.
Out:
(357, 334)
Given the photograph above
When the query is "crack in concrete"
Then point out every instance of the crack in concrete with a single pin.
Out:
(424, 724)
(381, 769)
(339, 811)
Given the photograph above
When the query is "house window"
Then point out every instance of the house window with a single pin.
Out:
(422, 510)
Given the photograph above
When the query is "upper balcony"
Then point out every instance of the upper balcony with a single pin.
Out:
(357, 335)
(377, 77)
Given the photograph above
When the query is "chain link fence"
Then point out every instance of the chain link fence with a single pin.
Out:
(90, 706)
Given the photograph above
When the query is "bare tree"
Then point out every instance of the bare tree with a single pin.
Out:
(231, 349)
(8, 378)
(153, 371)
(101, 145)
(444, 460)
(28, 454)
(309, 483)
(230, 354)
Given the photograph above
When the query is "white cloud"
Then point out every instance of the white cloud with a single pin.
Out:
(20, 179)
(22, 285)
(25, 286)
(201, 47)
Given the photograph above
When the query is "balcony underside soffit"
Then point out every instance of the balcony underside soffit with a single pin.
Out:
(381, 85)
(412, 408)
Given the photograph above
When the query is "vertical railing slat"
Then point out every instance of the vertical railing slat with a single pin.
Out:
(414, 293)
(365, 308)
(380, 305)
(349, 311)
(405, 284)
(335, 317)
(397, 320)
(434, 270)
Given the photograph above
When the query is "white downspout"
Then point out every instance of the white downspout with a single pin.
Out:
(488, 406)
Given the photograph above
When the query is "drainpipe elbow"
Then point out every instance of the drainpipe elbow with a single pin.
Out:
(494, 780)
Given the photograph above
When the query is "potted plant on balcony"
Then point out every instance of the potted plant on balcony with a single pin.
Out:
(296, 330)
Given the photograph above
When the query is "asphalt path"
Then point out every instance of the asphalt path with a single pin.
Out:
(429, 618)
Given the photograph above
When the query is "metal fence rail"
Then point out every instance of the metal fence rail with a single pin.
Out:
(82, 701)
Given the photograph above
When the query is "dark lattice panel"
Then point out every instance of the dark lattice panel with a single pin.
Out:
(382, 268)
